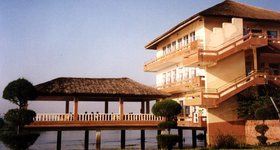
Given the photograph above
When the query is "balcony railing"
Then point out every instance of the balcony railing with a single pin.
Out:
(183, 85)
(186, 121)
(96, 117)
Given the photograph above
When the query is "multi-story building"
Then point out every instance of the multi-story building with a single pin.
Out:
(206, 60)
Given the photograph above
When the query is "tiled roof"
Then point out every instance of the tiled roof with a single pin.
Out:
(97, 87)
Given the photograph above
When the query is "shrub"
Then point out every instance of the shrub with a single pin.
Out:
(167, 125)
(167, 140)
(262, 129)
(226, 141)
(200, 137)
(1, 122)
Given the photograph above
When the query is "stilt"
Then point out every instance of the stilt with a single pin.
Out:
(58, 144)
(98, 139)
(122, 139)
(180, 133)
(205, 138)
(158, 133)
(106, 106)
(86, 139)
(194, 138)
(142, 139)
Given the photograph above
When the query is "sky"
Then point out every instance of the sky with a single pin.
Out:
(44, 40)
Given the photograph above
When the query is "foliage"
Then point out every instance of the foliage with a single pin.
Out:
(252, 101)
(225, 141)
(167, 124)
(18, 141)
(19, 91)
(19, 117)
(200, 137)
(167, 141)
(1, 122)
(167, 108)
(262, 129)
(262, 113)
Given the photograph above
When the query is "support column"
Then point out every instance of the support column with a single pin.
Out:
(106, 106)
(255, 58)
(121, 108)
(122, 139)
(142, 110)
(205, 138)
(180, 133)
(76, 108)
(58, 140)
(142, 139)
(86, 139)
(98, 139)
(147, 107)
(67, 106)
(194, 138)
(158, 133)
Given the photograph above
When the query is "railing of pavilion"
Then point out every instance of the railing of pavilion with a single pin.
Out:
(96, 117)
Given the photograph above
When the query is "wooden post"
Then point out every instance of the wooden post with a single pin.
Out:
(58, 140)
(255, 58)
(158, 133)
(142, 139)
(86, 139)
(67, 106)
(122, 139)
(106, 106)
(98, 139)
(76, 108)
(121, 108)
(194, 138)
(142, 111)
(180, 133)
(205, 137)
(147, 107)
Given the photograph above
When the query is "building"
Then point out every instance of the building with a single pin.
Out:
(206, 60)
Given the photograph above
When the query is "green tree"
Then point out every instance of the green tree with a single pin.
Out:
(19, 92)
(169, 109)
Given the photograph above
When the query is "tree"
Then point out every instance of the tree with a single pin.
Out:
(169, 109)
(19, 92)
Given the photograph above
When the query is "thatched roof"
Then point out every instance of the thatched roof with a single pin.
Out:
(227, 8)
(97, 87)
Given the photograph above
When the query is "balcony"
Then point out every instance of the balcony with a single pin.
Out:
(94, 120)
(183, 85)
(170, 58)
(211, 55)
(210, 98)
(185, 121)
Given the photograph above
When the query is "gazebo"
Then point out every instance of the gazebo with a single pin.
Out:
(96, 89)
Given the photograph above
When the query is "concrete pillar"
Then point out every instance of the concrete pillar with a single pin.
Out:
(86, 139)
(194, 138)
(122, 139)
(147, 107)
(76, 108)
(180, 133)
(98, 139)
(67, 106)
(142, 139)
(106, 106)
(121, 108)
(58, 141)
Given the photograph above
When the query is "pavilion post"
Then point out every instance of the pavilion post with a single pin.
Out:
(147, 107)
(255, 58)
(121, 108)
(106, 106)
(67, 106)
(75, 108)
(98, 139)
(142, 110)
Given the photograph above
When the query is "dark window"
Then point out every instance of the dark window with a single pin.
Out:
(272, 34)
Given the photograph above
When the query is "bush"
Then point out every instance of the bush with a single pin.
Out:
(262, 129)
(1, 122)
(167, 125)
(226, 141)
(200, 137)
(19, 117)
(167, 140)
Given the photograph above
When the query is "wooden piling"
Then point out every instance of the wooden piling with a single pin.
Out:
(86, 139)
(180, 133)
(58, 141)
(194, 144)
(98, 139)
(122, 139)
(142, 139)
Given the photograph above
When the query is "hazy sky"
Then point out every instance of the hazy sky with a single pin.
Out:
(46, 39)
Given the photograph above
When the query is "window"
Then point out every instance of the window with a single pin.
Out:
(272, 34)
(173, 46)
(192, 36)
(187, 110)
(193, 72)
(180, 72)
(186, 74)
(163, 78)
(256, 31)
(186, 40)
(174, 75)
(164, 50)
(168, 80)
(179, 43)
(168, 48)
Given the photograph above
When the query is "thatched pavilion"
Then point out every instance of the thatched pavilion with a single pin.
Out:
(91, 90)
